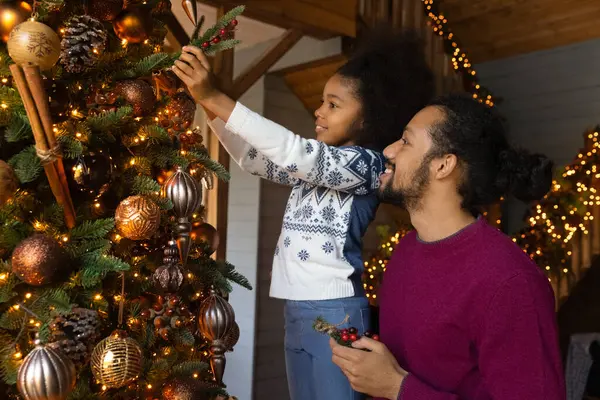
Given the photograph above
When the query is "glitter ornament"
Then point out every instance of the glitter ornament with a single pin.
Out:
(39, 260)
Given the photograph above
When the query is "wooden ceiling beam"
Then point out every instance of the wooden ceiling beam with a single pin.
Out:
(493, 29)
(260, 67)
(320, 19)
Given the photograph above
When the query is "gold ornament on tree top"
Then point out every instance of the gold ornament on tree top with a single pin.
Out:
(46, 374)
(32, 43)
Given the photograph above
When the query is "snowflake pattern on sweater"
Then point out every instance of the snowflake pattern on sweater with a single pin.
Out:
(311, 251)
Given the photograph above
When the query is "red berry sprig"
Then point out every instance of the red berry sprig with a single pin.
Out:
(224, 33)
(350, 335)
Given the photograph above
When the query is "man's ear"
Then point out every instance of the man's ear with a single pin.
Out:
(445, 166)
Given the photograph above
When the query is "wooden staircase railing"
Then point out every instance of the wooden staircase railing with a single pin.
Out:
(409, 14)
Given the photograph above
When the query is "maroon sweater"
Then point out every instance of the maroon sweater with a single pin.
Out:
(470, 317)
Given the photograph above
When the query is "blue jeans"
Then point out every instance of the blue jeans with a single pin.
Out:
(310, 372)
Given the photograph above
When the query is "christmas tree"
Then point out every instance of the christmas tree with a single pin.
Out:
(108, 288)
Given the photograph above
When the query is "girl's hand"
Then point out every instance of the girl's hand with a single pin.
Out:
(194, 70)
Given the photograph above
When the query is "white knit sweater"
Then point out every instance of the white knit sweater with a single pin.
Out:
(333, 200)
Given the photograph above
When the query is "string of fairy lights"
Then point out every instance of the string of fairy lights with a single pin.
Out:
(568, 209)
(460, 60)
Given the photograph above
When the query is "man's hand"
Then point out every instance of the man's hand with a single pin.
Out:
(375, 372)
(194, 70)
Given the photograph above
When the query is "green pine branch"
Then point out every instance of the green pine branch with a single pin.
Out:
(144, 185)
(11, 319)
(96, 265)
(83, 390)
(11, 98)
(229, 272)
(221, 23)
(162, 202)
(18, 129)
(26, 164)
(57, 298)
(155, 134)
(11, 234)
(146, 66)
(188, 368)
(71, 147)
(221, 46)
(148, 336)
(7, 291)
(110, 119)
(183, 337)
(96, 229)
(142, 165)
(5, 62)
(9, 366)
(163, 157)
(159, 370)
(46, 7)
(210, 164)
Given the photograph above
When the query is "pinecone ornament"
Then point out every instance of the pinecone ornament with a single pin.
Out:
(76, 334)
(82, 44)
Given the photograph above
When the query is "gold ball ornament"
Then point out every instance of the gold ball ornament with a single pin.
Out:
(205, 233)
(117, 360)
(46, 374)
(137, 218)
(32, 43)
(39, 260)
(11, 15)
(133, 25)
(8, 182)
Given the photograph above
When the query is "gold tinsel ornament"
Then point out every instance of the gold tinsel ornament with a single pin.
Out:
(46, 374)
(137, 218)
(117, 360)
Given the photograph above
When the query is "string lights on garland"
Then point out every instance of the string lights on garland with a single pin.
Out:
(460, 59)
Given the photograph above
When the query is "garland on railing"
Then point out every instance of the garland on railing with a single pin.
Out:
(460, 59)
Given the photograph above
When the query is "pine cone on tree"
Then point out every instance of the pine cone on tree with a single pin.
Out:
(82, 44)
(76, 334)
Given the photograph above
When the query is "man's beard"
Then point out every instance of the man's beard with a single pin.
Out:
(410, 197)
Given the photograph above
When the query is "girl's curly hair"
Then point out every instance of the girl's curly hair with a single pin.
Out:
(392, 80)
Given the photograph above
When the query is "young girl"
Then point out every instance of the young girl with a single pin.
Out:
(318, 262)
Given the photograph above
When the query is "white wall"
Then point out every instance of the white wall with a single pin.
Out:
(550, 98)
(243, 218)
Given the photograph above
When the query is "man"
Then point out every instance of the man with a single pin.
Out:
(464, 313)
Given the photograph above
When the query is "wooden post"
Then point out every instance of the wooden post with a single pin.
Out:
(576, 254)
(563, 287)
(596, 229)
(586, 254)
(223, 69)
